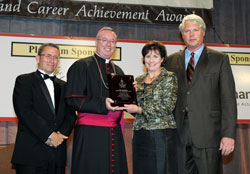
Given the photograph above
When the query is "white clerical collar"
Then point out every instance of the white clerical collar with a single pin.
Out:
(106, 60)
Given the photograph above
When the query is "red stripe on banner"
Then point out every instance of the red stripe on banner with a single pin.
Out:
(246, 121)
(119, 40)
(8, 119)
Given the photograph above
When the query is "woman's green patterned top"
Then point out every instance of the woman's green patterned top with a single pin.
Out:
(157, 101)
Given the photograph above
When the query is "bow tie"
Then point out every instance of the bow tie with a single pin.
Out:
(46, 76)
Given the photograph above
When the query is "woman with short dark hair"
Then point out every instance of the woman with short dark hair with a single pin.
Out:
(154, 139)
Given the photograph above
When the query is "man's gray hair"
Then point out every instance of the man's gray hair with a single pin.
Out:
(194, 19)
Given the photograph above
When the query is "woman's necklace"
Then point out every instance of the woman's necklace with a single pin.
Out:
(154, 77)
(101, 72)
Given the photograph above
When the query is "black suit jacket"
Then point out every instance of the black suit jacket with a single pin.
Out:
(210, 99)
(37, 119)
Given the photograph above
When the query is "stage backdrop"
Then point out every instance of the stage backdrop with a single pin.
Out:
(18, 51)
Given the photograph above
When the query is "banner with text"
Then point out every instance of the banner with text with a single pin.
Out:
(100, 11)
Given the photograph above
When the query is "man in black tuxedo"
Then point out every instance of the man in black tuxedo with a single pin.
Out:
(206, 111)
(44, 119)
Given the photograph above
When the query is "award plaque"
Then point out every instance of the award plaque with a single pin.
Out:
(121, 89)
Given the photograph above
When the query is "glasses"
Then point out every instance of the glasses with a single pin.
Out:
(50, 56)
(104, 41)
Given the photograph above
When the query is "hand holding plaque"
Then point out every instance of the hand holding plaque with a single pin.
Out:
(121, 89)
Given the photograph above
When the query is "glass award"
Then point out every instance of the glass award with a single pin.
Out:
(121, 89)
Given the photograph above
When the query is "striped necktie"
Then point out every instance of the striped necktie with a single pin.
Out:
(190, 69)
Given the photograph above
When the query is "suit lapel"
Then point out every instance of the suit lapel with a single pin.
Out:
(57, 90)
(45, 92)
(182, 69)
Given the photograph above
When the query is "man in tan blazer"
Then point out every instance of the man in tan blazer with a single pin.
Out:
(206, 110)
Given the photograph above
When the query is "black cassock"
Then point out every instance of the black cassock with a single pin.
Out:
(96, 149)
